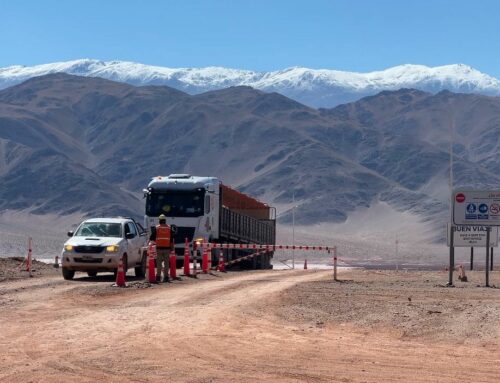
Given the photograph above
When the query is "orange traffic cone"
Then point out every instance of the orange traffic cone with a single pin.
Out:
(151, 265)
(186, 258)
(173, 265)
(120, 275)
(305, 264)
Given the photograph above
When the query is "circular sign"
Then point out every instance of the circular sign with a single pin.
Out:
(460, 197)
(483, 208)
(495, 208)
(471, 208)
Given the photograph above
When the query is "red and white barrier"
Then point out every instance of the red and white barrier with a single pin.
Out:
(252, 246)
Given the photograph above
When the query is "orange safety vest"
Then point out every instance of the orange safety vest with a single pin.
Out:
(163, 236)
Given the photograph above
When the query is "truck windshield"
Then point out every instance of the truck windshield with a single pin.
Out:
(176, 203)
(99, 229)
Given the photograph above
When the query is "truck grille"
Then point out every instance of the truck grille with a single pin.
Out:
(183, 233)
(88, 249)
(88, 260)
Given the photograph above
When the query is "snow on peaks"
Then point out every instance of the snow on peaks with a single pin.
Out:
(315, 87)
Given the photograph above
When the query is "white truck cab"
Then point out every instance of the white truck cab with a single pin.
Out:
(190, 203)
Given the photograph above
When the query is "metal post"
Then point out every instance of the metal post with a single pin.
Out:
(491, 259)
(335, 263)
(472, 258)
(452, 256)
(30, 244)
(487, 256)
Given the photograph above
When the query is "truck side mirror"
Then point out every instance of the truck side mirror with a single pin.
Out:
(70, 233)
(129, 235)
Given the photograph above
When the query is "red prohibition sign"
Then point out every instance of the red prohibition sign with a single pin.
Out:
(460, 197)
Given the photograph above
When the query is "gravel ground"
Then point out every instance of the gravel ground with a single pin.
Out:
(414, 304)
(13, 268)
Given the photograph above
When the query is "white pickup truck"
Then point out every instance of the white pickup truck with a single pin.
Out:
(98, 244)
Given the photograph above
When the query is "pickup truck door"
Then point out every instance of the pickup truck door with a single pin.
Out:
(133, 244)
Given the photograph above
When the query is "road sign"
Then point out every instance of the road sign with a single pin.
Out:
(472, 236)
(476, 207)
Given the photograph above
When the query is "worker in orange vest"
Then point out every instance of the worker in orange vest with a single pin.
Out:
(162, 235)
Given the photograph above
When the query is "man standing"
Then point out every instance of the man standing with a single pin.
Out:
(163, 238)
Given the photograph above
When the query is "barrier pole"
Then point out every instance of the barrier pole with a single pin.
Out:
(28, 265)
(195, 265)
(204, 260)
(335, 263)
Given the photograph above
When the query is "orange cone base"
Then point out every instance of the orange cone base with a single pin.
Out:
(173, 266)
(120, 277)
(151, 270)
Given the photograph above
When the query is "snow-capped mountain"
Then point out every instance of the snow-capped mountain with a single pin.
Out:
(314, 87)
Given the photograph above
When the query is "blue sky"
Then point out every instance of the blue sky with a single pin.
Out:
(260, 35)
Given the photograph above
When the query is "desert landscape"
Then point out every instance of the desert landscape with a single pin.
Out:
(274, 325)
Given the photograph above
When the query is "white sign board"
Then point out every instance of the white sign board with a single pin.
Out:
(476, 207)
(472, 236)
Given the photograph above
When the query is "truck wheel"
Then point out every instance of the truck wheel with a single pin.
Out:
(91, 273)
(140, 271)
(68, 274)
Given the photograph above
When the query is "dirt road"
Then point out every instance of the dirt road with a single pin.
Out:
(237, 327)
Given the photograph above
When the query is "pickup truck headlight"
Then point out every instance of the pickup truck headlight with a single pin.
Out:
(68, 247)
(112, 248)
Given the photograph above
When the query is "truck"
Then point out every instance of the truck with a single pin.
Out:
(204, 210)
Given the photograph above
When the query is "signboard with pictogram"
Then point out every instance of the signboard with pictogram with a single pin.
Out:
(476, 207)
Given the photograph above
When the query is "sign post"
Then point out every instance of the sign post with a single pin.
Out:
(477, 207)
(491, 259)
(487, 258)
(472, 258)
(452, 256)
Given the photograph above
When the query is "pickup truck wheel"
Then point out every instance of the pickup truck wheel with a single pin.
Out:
(91, 273)
(68, 274)
(140, 271)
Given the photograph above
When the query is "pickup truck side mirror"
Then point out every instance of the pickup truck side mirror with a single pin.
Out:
(129, 235)
(70, 233)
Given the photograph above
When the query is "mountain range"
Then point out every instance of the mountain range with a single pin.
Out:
(312, 87)
(82, 144)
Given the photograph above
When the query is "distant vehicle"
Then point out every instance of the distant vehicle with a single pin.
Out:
(205, 210)
(98, 244)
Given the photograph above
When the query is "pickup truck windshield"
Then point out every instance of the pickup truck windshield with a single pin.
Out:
(178, 203)
(99, 229)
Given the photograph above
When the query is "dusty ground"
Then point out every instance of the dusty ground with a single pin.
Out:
(279, 326)
(15, 268)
